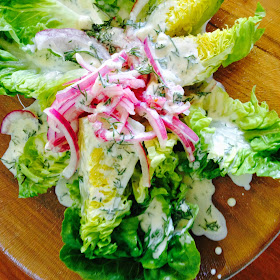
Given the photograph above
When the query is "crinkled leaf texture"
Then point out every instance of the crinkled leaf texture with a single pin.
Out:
(25, 73)
(136, 246)
(184, 17)
(22, 19)
(223, 47)
(238, 137)
(101, 268)
(116, 8)
(37, 170)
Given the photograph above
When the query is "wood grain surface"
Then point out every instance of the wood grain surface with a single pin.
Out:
(261, 67)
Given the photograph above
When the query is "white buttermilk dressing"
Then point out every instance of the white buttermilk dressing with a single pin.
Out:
(225, 143)
(160, 248)
(213, 271)
(218, 251)
(231, 202)
(156, 22)
(209, 221)
(154, 219)
(242, 180)
(177, 58)
(50, 65)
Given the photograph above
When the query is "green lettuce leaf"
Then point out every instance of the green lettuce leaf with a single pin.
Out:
(193, 59)
(182, 17)
(157, 224)
(38, 170)
(119, 9)
(166, 224)
(156, 156)
(183, 258)
(223, 47)
(105, 269)
(140, 192)
(74, 191)
(246, 137)
(39, 75)
(126, 236)
(22, 19)
(163, 164)
(148, 238)
(183, 255)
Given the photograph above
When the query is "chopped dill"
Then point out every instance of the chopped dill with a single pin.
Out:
(212, 226)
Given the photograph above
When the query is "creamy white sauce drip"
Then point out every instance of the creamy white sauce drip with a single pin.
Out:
(153, 217)
(218, 251)
(209, 221)
(213, 271)
(242, 180)
(50, 64)
(156, 21)
(231, 202)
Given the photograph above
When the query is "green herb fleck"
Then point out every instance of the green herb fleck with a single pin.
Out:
(212, 226)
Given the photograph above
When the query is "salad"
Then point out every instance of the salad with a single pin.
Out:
(130, 126)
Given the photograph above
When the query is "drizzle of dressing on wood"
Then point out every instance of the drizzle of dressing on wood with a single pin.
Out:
(242, 180)
(209, 221)
(231, 202)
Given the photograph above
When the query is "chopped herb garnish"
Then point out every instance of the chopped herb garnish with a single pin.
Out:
(176, 49)
(202, 93)
(29, 133)
(177, 97)
(108, 101)
(117, 183)
(162, 62)
(191, 60)
(103, 81)
(135, 51)
(212, 226)
(145, 69)
(209, 211)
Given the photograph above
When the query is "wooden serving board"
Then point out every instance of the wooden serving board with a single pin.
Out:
(261, 68)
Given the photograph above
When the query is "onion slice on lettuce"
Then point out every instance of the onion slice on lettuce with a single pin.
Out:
(187, 144)
(64, 127)
(146, 181)
(155, 121)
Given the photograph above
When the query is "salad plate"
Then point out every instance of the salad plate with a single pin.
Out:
(31, 227)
